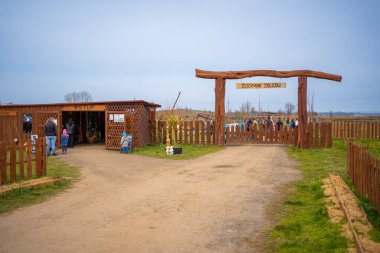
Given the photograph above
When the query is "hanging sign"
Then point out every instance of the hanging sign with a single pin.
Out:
(84, 107)
(8, 113)
(259, 85)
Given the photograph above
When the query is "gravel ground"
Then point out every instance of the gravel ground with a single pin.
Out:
(128, 203)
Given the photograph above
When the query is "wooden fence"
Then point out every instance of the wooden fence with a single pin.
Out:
(364, 172)
(356, 129)
(15, 160)
(201, 133)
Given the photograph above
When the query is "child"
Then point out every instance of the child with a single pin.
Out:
(124, 143)
(64, 141)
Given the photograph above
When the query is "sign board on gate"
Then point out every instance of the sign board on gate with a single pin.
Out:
(259, 85)
(33, 139)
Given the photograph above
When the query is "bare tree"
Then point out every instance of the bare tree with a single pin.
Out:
(81, 97)
(311, 104)
(289, 108)
(247, 108)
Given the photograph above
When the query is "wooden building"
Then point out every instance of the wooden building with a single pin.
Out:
(95, 121)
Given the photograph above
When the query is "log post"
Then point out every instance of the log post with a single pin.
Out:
(303, 126)
(220, 92)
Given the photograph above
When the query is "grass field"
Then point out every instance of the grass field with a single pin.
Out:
(304, 226)
(188, 151)
(24, 197)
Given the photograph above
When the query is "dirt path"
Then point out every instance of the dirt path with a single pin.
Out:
(129, 203)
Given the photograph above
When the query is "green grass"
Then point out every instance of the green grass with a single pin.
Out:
(24, 197)
(372, 146)
(188, 151)
(305, 226)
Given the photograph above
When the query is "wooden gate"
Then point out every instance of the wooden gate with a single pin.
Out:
(260, 134)
(42, 117)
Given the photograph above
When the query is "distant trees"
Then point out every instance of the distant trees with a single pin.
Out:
(75, 97)
(289, 108)
(247, 108)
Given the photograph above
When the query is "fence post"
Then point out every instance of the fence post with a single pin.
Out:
(196, 132)
(44, 158)
(311, 135)
(29, 158)
(186, 131)
(39, 152)
(13, 161)
(21, 159)
(208, 133)
(3, 163)
(329, 141)
(191, 134)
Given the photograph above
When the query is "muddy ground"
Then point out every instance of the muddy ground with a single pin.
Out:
(128, 203)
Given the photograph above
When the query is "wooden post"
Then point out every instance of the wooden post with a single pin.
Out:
(302, 113)
(186, 131)
(191, 134)
(196, 132)
(180, 132)
(13, 161)
(164, 133)
(29, 159)
(170, 133)
(220, 92)
(21, 159)
(44, 158)
(39, 152)
(3, 163)
(208, 133)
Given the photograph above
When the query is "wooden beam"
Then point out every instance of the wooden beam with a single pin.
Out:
(271, 73)
(303, 124)
(220, 114)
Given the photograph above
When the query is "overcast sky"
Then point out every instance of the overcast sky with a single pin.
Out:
(122, 50)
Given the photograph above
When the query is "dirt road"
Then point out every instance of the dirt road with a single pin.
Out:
(130, 203)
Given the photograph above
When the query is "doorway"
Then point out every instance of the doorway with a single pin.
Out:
(89, 126)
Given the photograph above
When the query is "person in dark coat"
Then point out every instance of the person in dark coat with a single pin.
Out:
(70, 128)
(279, 123)
(51, 136)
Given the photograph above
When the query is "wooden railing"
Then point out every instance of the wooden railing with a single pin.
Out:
(184, 132)
(201, 133)
(356, 129)
(17, 161)
(364, 172)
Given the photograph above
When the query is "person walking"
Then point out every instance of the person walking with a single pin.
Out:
(51, 136)
(70, 127)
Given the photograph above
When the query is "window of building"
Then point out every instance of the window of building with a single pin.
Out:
(27, 123)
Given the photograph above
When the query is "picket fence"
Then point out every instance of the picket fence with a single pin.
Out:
(14, 164)
(201, 133)
(364, 172)
(356, 129)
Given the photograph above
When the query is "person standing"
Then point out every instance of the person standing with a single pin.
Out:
(64, 141)
(51, 136)
(70, 130)
(279, 123)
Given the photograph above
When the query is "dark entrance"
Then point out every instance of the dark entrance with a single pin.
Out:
(90, 125)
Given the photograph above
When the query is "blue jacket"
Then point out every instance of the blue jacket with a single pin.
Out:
(64, 140)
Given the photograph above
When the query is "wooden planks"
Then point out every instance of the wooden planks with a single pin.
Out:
(12, 161)
(356, 129)
(364, 171)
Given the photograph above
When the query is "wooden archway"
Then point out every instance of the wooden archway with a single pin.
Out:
(220, 92)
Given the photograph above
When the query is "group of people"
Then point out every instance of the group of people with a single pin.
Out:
(268, 122)
(67, 136)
